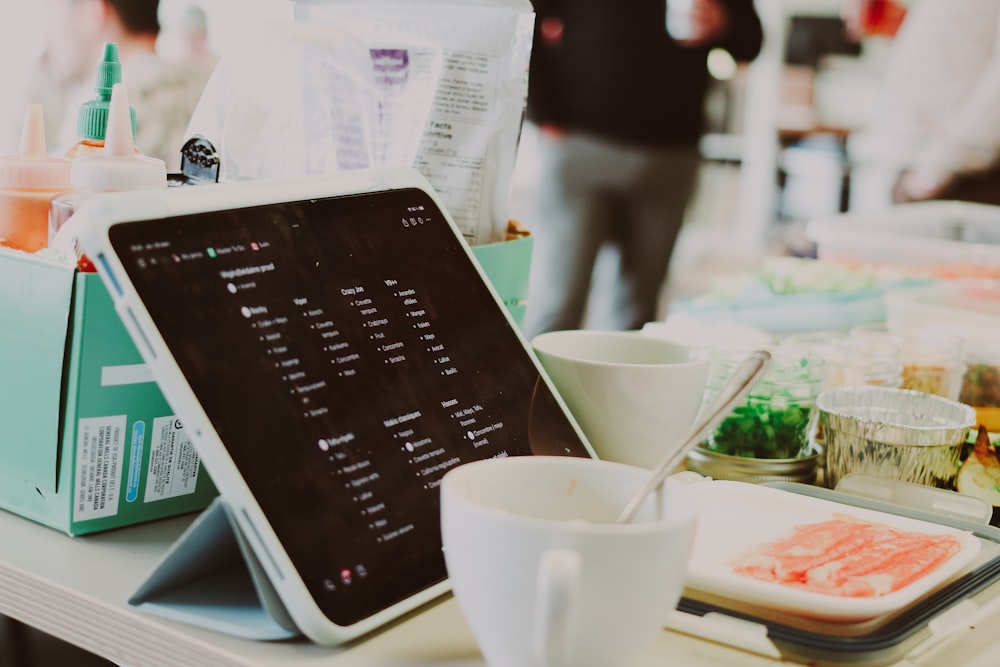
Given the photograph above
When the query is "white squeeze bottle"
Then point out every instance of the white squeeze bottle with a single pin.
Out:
(116, 167)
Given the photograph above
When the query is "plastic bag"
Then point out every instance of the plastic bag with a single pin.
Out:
(439, 85)
(299, 99)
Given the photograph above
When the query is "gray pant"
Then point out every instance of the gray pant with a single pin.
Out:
(595, 198)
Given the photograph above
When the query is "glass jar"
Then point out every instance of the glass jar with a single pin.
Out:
(853, 361)
(931, 359)
(775, 420)
(981, 384)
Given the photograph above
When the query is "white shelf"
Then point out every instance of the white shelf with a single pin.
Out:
(76, 589)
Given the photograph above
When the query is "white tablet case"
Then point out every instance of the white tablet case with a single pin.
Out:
(211, 577)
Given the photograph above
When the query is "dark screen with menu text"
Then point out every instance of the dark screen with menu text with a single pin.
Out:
(348, 355)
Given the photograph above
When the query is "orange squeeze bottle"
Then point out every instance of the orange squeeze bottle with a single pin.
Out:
(28, 182)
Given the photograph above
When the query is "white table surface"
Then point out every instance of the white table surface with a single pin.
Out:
(76, 589)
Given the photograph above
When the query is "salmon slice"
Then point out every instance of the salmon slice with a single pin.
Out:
(848, 558)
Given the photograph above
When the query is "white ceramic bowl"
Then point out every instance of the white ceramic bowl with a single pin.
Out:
(634, 396)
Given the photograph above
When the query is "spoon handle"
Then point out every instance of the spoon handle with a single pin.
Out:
(735, 390)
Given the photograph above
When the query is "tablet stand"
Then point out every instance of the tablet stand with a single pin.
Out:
(211, 578)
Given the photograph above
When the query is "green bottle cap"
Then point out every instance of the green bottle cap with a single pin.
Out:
(92, 120)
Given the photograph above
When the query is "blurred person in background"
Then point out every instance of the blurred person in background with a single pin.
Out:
(163, 93)
(185, 37)
(937, 134)
(619, 102)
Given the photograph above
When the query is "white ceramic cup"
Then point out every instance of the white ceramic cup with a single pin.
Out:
(543, 574)
(635, 396)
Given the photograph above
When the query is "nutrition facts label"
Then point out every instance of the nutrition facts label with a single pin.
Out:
(173, 462)
(100, 450)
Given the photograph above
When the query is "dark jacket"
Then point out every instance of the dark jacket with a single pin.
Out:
(609, 69)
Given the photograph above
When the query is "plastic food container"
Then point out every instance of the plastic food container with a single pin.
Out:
(894, 433)
(981, 384)
(853, 360)
(931, 362)
(937, 239)
(970, 310)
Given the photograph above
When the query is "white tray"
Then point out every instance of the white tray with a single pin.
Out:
(737, 516)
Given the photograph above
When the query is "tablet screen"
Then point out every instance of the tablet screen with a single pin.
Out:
(348, 354)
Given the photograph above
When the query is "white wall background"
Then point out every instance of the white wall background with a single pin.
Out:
(22, 25)
(229, 19)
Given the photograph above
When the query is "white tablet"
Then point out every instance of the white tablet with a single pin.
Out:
(334, 348)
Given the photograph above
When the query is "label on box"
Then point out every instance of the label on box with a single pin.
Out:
(100, 448)
(173, 461)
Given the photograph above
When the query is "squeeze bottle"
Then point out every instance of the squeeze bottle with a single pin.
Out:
(116, 167)
(28, 182)
(92, 118)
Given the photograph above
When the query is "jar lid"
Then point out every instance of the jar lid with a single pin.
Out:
(741, 469)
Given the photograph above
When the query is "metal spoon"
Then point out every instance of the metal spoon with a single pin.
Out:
(736, 388)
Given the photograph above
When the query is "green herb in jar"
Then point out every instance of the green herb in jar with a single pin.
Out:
(765, 428)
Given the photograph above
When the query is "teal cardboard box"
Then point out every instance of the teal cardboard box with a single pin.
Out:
(508, 265)
(87, 440)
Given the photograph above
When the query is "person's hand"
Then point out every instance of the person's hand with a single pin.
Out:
(709, 23)
(910, 186)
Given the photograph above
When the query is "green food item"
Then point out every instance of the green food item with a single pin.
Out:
(774, 421)
(764, 428)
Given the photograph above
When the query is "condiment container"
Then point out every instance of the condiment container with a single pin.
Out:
(981, 384)
(969, 309)
(852, 361)
(29, 180)
(932, 361)
(92, 117)
(116, 167)
(775, 420)
(894, 433)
